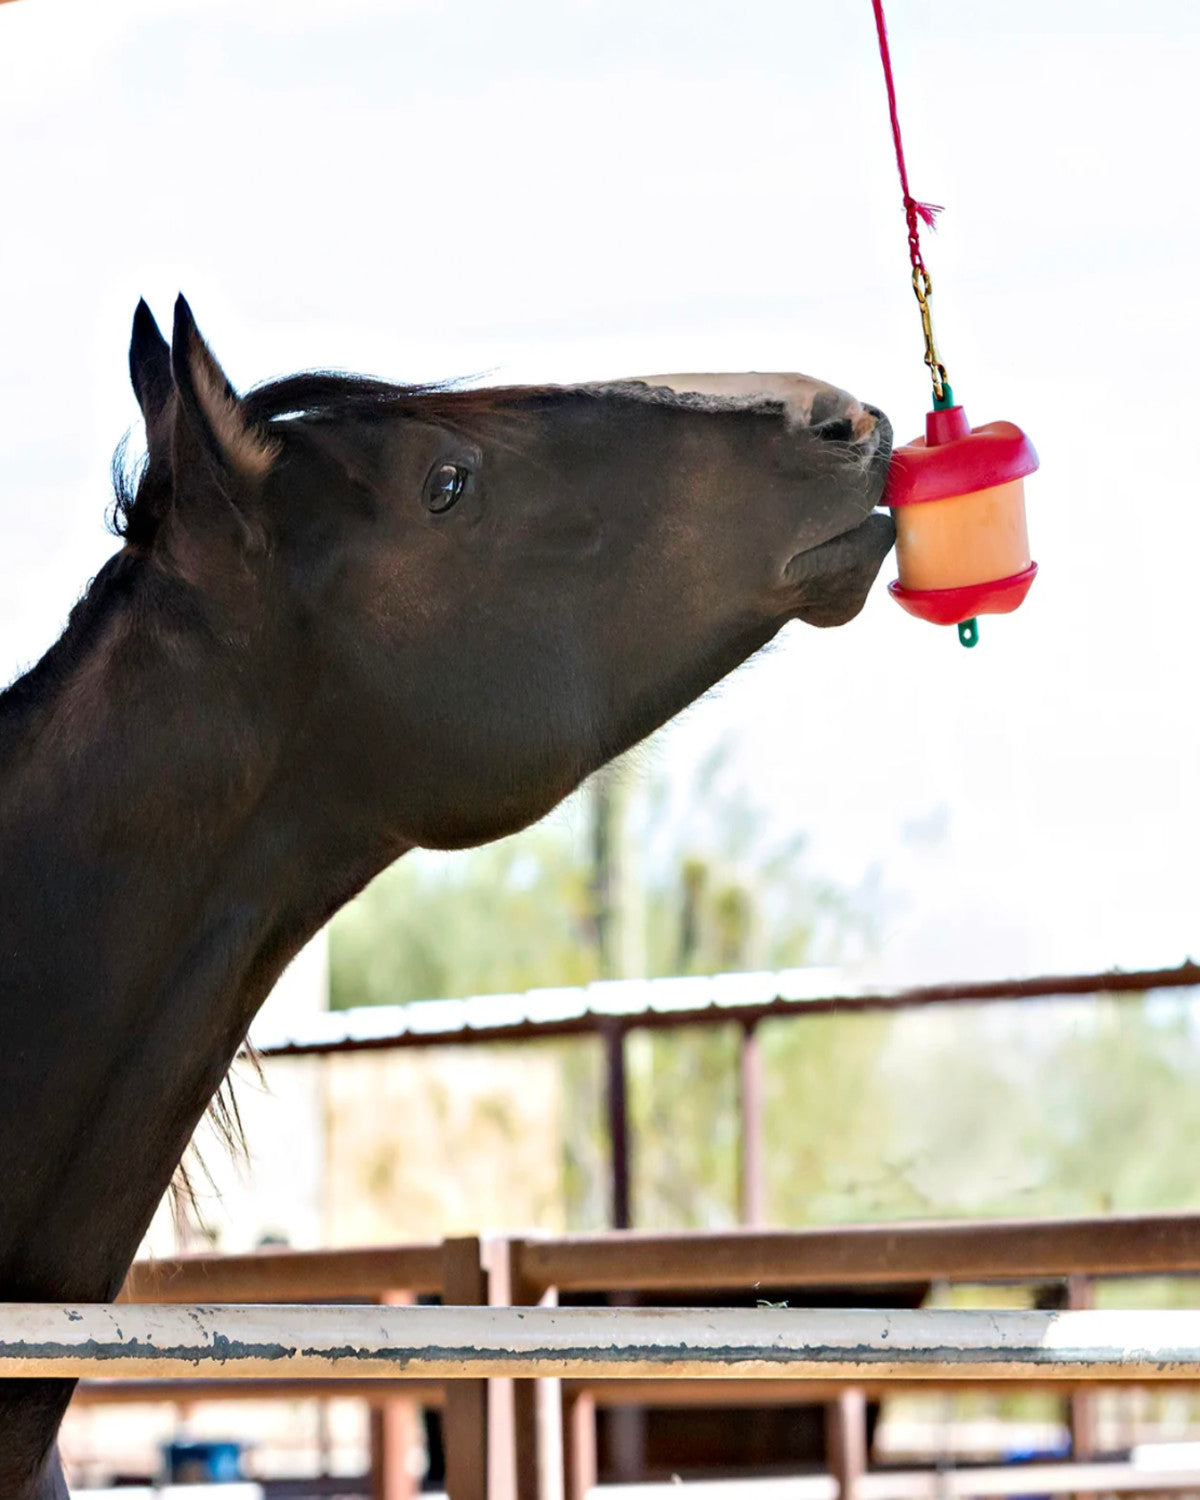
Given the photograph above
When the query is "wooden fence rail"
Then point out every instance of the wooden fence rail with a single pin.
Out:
(865, 1255)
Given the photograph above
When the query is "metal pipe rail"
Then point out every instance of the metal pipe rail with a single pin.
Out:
(455, 1343)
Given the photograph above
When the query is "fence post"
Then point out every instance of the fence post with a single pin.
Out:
(465, 1414)
(579, 1442)
(395, 1424)
(537, 1404)
(846, 1441)
(502, 1457)
(1081, 1408)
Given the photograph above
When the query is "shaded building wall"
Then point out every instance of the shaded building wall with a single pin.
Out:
(423, 1144)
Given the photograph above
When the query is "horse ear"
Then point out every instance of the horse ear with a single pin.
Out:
(150, 369)
(210, 405)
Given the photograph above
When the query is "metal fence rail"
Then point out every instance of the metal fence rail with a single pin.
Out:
(456, 1343)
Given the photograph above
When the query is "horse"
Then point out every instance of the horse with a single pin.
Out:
(347, 619)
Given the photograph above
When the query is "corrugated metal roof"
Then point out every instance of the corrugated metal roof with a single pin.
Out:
(610, 998)
(664, 1002)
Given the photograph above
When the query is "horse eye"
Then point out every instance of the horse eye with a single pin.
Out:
(447, 483)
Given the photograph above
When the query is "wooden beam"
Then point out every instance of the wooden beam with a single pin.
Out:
(734, 1392)
(465, 1416)
(867, 1255)
(45, 1340)
(146, 1392)
(272, 1275)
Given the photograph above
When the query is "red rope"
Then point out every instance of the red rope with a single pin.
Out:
(913, 210)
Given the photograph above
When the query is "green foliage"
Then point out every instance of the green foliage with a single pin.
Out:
(507, 918)
(684, 1122)
(717, 891)
(825, 1121)
(1018, 1109)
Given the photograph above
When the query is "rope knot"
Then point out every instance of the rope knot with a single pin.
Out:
(926, 212)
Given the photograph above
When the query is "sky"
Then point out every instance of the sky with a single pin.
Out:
(556, 190)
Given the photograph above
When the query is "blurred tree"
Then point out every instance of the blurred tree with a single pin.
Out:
(1039, 1108)
(511, 917)
(718, 884)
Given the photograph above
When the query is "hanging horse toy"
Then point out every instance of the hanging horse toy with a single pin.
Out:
(958, 493)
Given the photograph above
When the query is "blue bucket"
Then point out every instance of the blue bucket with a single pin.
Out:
(203, 1463)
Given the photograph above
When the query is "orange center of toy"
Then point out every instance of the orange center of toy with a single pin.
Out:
(963, 539)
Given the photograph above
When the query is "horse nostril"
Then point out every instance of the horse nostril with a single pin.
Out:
(866, 426)
(862, 429)
(840, 430)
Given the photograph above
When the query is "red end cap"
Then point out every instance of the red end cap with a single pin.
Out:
(953, 459)
(952, 606)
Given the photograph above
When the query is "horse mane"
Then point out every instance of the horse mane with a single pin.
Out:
(332, 394)
(106, 595)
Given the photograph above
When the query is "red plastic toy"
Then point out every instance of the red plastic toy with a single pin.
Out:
(958, 495)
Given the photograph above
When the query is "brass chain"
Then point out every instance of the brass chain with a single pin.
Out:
(923, 287)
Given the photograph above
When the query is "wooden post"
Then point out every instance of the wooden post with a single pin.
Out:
(1081, 1407)
(752, 1185)
(395, 1435)
(579, 1443)
(846, 1441)
(502, 1452)
(465, 1415)
(537, 1404)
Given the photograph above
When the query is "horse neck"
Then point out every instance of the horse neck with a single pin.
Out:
(155, 878)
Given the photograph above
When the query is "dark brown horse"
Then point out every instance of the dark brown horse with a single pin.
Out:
(348, 619)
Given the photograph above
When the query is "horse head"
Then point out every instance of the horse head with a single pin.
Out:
(483, 595)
